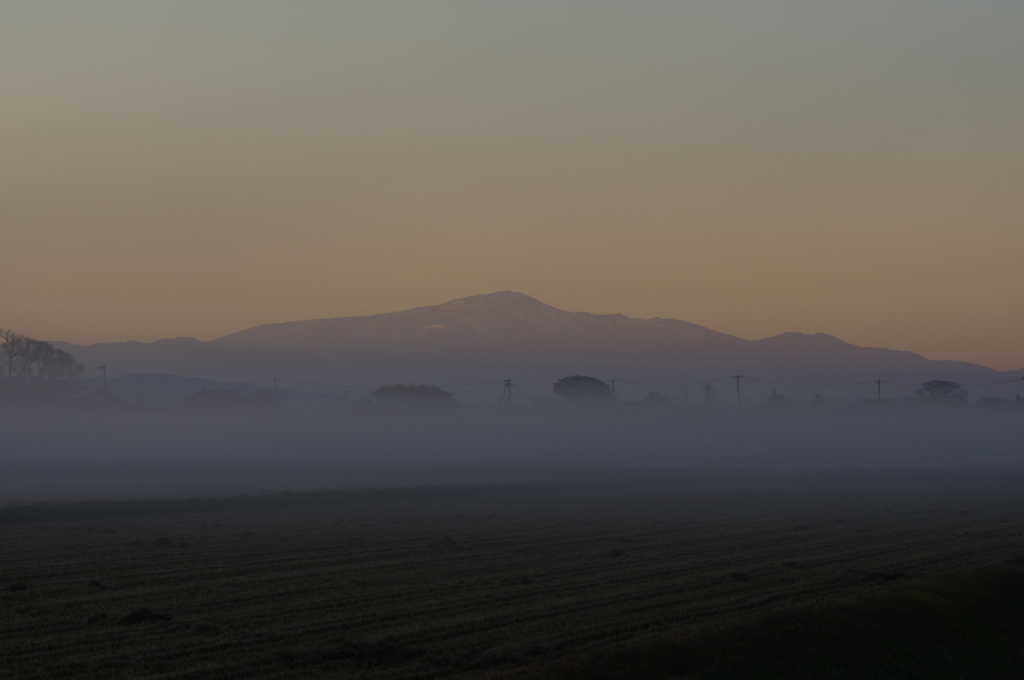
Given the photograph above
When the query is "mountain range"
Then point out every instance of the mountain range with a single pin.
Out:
(473, 343)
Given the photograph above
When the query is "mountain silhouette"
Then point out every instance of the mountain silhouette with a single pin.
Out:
(489, 337)
(497, 320)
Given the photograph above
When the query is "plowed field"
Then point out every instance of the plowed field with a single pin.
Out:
(471, 582)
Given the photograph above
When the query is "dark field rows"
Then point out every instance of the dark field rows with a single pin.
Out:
(486, 581)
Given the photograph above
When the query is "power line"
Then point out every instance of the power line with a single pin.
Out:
(492, 382)
(806, 384)
(676, 383)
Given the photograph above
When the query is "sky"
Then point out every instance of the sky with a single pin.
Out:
(758, 166)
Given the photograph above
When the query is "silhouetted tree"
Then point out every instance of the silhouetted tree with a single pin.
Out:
(776, 399)
(709, 393)
(942, 391)
(46, 364)
(415, 397)
(582, 388)
(13, 348)
(34, 366)
(818, 400)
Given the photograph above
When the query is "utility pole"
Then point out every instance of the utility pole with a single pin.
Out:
(879, 383)
(739, 400)
(506, 392)
(613, 381)
(104, 369)
(345, 393)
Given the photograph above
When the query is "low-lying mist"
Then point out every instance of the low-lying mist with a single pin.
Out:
(61, 454)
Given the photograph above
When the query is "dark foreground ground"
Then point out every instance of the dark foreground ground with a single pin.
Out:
(626, 574)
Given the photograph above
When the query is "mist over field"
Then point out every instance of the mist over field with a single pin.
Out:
(66, 454)
(688, 397)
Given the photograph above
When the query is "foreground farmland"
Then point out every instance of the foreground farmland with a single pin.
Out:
(500, 580)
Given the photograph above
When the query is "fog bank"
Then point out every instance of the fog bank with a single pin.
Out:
(58, 454)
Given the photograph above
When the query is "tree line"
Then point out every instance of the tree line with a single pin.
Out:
(30, 367)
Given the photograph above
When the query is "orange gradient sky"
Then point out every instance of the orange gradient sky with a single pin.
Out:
(196, 168)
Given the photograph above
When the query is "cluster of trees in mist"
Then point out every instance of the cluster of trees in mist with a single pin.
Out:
(589, 392)
(32, 368)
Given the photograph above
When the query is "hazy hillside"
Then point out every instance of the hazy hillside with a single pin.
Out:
(510, 335)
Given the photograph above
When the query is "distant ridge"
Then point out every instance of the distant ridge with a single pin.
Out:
(496, 319)
(507, 334)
